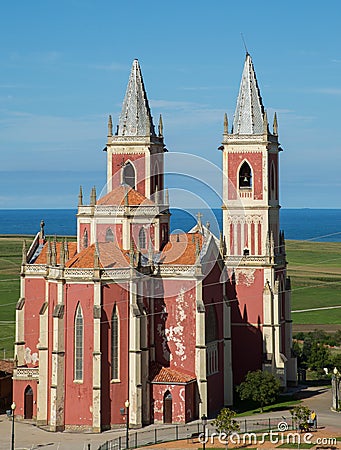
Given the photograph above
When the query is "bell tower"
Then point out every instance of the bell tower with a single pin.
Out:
(250, 165)
(135, 152)
(254, 245)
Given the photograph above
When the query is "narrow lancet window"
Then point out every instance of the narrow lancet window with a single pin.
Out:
(109, 235)
(129, 175)
(78, 344)
(142, 239)
(114, 344)
(245, 176)
(85, 239)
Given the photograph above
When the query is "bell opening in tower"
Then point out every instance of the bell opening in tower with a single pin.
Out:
(245, 176)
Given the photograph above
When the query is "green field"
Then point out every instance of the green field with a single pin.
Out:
(314, 268)
(315, 272)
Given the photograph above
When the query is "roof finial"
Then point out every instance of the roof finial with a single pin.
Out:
(24, 252)
(265, 123)
(160, 126)
(109, 126)
(93, 197)
(247, 53)
(80, 196)
(275, 125)
(166, 197)
(226, 124)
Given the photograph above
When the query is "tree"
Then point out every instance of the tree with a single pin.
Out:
(319, 357)
(225, 422)
(300, 415)
(261, 387)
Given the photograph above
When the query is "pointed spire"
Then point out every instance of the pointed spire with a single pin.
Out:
(110, 126)
(150, 253)
(42, 232)
(80, 196)
(226, 124)
(62, 255)
(24, 252)
(49, 254)
(135, 119)
(156, 195)
(54, 252)
(275, 125)
(131, 253)
(160, 126)
(221, 245)
(96, 258)
(248, 117)
(66, 249)
(265, 123)
(93, 197)
(166, 197)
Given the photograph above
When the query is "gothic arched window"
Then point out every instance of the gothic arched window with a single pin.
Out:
(142, 238)
(78, 344)
(245, 176)
(109, 235)
(114, 344)
(129, 175)
(272, 182)
(85, 239)
(211, 328)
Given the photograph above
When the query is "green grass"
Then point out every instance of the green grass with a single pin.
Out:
(315, 272)
(248, 407)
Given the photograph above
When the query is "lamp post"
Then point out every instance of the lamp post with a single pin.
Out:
(204, 423)
(127, 404)
(336, 384)
(13, 406)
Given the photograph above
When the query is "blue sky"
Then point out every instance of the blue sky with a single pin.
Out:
(65, 66)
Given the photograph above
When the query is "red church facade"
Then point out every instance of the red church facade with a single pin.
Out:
(129, 312)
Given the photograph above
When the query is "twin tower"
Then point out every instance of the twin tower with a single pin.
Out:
(132, 316)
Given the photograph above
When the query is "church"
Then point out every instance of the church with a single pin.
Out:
(131, 322)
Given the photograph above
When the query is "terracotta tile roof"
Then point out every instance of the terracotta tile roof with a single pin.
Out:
(181, 249)
(42, 258)
(6, 366)
(110, 256)
(159, 374)
(116, 197)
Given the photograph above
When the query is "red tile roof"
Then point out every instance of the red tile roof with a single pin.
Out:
(42, 258)
(110, 256)
(159, 374)
(181, 249)
(117, 197)
(6, 366)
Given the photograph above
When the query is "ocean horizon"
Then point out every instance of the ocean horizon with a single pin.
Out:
(320, 225)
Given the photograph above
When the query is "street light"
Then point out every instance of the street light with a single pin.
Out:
(204, 423)
(336, 384)
(127, 404)
(13, 406)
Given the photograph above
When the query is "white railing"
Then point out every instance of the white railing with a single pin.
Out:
(26, 373)
(36, 269)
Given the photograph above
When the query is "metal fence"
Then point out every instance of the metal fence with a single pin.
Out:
(190, 432)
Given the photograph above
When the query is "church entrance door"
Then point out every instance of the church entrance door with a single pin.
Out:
(28, 403)
(167, 407)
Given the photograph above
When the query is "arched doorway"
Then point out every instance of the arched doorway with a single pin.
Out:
(167, 407)
(28, 414)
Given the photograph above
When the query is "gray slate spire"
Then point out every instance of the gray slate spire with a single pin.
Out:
(248, 118)
(135, 119)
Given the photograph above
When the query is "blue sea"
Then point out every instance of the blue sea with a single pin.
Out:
(320, 225)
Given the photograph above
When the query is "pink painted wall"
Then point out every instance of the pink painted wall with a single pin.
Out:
(246, 320)
(138, 161)
(19, 387)
(114, 394)
(181, 405)
(78, 395)
(35, 297)
(255, 162)
(175, 325)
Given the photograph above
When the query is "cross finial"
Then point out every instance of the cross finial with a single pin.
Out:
(199, 216)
